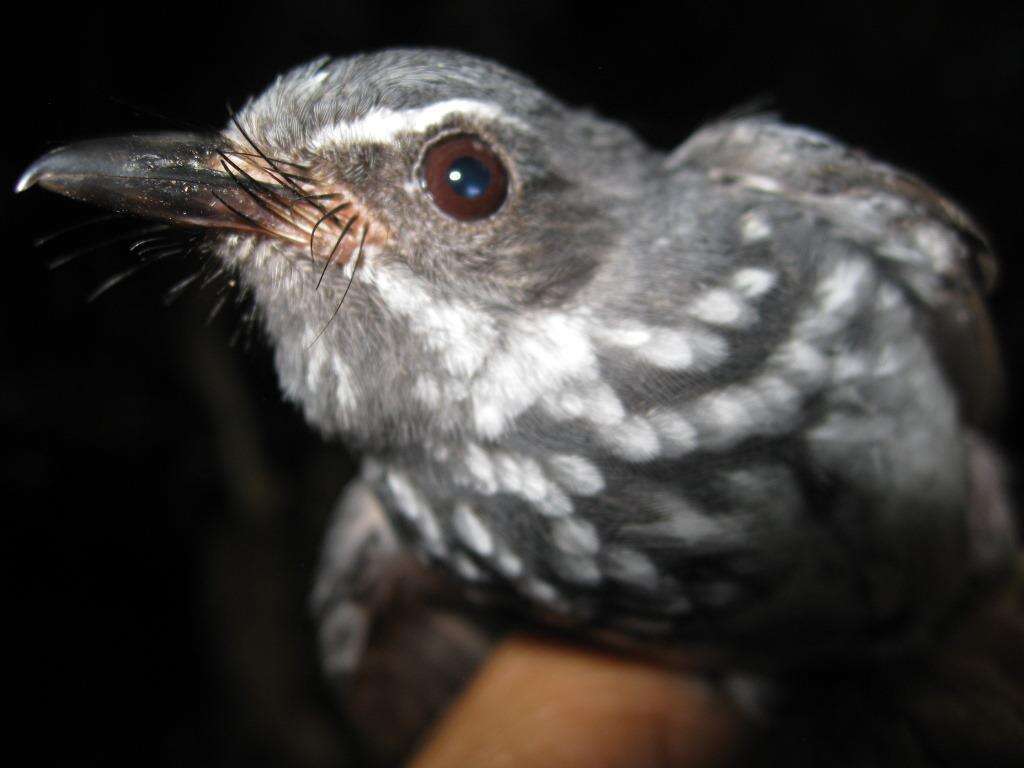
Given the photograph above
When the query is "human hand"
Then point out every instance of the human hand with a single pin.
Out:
(547, 704)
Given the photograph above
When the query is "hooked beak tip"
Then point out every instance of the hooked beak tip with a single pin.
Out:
(27, 179)
(56, 163)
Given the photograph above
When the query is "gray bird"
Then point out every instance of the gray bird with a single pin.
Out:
(730, 395)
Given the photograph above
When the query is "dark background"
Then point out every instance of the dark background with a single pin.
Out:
(166, 506)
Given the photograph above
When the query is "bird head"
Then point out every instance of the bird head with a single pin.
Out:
(390, 213)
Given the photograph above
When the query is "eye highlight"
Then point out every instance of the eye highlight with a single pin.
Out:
(465, 178)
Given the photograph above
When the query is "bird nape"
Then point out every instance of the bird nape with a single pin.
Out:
(732, 397)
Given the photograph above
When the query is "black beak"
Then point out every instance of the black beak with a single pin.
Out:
(179, 177)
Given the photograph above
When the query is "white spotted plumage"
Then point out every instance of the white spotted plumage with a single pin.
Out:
(568, 396)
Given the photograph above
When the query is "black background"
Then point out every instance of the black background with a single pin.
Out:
(166, 506)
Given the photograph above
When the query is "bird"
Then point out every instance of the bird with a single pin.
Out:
(735, 395)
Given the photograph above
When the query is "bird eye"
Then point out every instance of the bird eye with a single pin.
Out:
(464, 176)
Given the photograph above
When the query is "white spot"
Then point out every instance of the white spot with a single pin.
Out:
(936, 242)
(592, 400)
(602, 406)
(668, 349)
(760, 183)
(466, 568)
(579, 570)
(753, 281)
(507, 472)
(631, 566)
(381, 125)
(481, 469)
(509, 564)
(634, 439)
(576, 536)
(564, 405)
(677, 434)
(520, 476)
(625, 335)
(843, 285)
(344, 391)
(491, 420)
(541, 591)
(472, 531)
(408, 501)
(779, 395)
(710, 348)
(719, 307)
(555, 503)
(681, 523)
(803, 362)
(533, 485)
(415, 508)
(724, 411)
(315, 364)
(433, 539)
(427, 390)
(576, 474)
(754, 226)
(840, 294)
(849, 366)
(677, 350)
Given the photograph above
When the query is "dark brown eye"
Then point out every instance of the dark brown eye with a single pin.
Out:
(466, 179)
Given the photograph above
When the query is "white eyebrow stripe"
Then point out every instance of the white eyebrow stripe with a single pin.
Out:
(381, 125)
